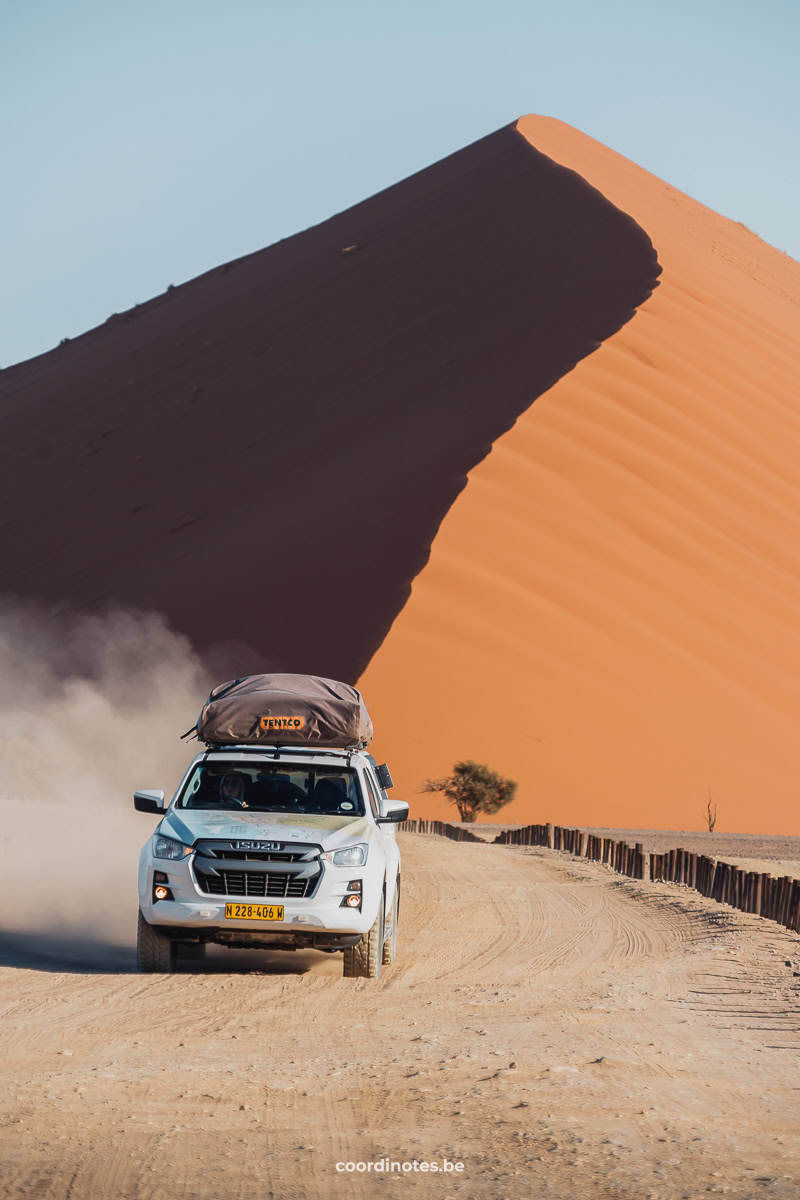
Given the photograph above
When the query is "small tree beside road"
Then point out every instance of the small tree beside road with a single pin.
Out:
(474, 788)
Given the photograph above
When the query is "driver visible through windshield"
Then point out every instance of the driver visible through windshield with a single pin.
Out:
(285, 788)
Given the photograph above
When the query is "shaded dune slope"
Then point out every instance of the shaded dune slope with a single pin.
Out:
(609, 614)
(265, 453)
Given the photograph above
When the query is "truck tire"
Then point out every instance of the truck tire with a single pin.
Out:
(365, 961)
(154, 952)
(390, 944)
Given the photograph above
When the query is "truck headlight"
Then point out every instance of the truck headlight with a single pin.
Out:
(350, 856)
(164, 847)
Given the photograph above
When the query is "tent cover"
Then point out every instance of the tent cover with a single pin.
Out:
(286, 710)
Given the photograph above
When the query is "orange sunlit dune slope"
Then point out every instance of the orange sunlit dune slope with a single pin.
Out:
(610, 610)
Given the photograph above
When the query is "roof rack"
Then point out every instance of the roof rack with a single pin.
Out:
(283, 748)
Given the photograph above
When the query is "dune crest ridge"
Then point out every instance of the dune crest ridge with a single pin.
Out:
(264, 454)
(609, 613)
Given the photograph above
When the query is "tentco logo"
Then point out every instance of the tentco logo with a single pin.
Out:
(270, 723)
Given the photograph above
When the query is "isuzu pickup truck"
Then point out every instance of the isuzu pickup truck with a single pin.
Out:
(276, 847)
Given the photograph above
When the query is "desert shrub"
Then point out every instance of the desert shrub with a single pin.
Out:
(474, 788)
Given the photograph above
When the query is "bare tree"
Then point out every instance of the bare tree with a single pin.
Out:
(711, 813)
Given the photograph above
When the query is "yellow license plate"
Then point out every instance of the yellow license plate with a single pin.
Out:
(254, 912)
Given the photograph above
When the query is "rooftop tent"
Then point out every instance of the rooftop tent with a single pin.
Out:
(286, 710)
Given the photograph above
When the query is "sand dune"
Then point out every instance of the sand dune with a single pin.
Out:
(265, 453)
(610, 609)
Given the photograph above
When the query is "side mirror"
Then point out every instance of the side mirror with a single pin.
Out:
(149, 801)
(385, 777)
(395, 811)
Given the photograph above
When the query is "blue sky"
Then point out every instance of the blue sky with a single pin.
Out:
(144, 143)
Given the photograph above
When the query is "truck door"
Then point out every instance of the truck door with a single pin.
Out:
(388, 835)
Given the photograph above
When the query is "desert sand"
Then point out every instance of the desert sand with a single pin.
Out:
(573, 1034)
(608, 615)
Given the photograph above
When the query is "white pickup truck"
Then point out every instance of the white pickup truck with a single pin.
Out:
(273, 848)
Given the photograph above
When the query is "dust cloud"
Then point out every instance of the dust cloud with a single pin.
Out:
(91, 708)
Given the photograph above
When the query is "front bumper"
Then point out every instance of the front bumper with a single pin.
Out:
(200, 914)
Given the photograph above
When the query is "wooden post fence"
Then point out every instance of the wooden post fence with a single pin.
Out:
(778, 899)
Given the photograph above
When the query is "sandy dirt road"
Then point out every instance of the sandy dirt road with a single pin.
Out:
(559, 1031)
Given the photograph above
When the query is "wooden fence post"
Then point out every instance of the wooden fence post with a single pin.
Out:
(769, 896)
(777, 897)
(758, 894)
(786, 899)
(644, 861)
(752, 881)
(794, 909)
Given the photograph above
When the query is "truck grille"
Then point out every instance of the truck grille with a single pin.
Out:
(261, 855)
(254, 883)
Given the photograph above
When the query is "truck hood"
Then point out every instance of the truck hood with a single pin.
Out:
(190, 825)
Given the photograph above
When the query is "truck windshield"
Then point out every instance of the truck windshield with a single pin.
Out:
(284, 787)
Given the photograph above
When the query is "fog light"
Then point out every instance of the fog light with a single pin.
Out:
(160, 892)
(353, 901)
